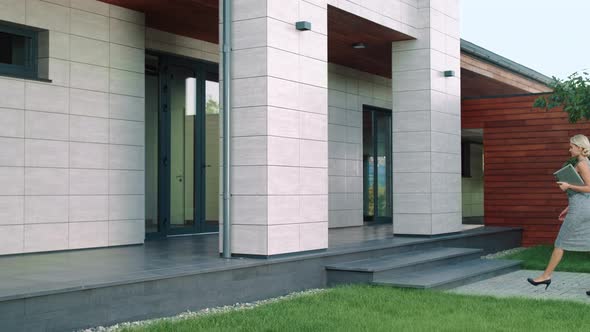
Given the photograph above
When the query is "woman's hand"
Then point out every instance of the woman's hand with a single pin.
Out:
(563, 214)
(563, 185)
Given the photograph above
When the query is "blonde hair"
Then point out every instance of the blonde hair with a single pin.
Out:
(582, 142)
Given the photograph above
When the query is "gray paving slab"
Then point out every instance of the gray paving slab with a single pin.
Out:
(403, 259)
(566, 286)
(447, 275)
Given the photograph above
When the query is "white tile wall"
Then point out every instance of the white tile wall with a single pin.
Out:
(89, 77)
(89, 155)
(39, 94)
(69, 176)
(427, 133)
(89, 103)
(12, 122)
(90, 25)
(280, 108)
(90, 51)
(46, 209)
(88, 208)
(126, 107)
(11, 210)
(12, 93)
(48, 16)
(92, 234)
(44, 237)
(89, 129)
(91, 6)
(42, 153)
(125, 231)
(12, 152)
(13, 11)
(348, 91)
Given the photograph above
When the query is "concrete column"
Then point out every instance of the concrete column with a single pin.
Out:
(279, 135)
(427, 124)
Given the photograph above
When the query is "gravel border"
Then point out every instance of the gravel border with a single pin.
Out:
(205, 312)
(501, 254)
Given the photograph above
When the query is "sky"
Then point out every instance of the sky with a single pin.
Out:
(549, 36)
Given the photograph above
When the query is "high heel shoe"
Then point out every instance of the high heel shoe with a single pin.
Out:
(546, 282)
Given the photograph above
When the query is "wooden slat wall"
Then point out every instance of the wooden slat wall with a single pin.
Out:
(522, 148)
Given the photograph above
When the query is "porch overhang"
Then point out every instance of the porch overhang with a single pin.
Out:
(197, 19)
(346, 29)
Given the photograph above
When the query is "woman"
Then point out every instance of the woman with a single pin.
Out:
(574, 234)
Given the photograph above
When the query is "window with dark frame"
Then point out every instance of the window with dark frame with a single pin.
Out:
(18, 51)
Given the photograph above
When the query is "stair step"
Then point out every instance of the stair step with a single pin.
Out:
(449, 276)
(405, 259)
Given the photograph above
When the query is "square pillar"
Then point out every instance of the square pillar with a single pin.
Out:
(427, 124)
(279, 128)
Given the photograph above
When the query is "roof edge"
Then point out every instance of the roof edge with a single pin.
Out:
(505, 63)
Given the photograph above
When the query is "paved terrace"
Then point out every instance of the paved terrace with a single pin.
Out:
(564, 286)
(45, 273)
(28, 275)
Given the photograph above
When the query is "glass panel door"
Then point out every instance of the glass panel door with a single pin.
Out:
(182, 146)
(383, 164)
(182, 85)
(377, 164)
(152, 104)
(212, 153)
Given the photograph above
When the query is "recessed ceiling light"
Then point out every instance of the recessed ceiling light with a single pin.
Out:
(359, 45)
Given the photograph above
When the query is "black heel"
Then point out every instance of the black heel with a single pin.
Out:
(537, 283)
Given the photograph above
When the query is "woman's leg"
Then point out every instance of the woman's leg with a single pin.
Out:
(555, 259)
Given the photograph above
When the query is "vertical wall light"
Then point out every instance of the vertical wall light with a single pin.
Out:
(190, 96)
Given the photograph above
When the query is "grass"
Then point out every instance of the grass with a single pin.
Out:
(370, 308)
(536, 258)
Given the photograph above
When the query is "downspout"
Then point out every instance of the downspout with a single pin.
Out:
(226, 128)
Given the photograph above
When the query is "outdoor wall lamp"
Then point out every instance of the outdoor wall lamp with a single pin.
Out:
(359, 45)
(303, 25)
(449, 73)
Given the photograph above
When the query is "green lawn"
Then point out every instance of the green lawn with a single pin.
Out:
(536, 258)
(367, 308)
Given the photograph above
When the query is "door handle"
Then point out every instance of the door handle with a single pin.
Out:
(179, 178)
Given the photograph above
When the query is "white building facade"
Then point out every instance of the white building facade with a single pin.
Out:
(106, 145)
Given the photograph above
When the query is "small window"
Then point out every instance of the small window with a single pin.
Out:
(18, 51)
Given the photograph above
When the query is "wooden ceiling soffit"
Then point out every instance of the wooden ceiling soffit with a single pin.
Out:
(191, 18)
(346, 29)
(477, 85)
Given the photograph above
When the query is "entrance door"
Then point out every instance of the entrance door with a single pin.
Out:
(183, 147)
(377, 164)
(187, 129)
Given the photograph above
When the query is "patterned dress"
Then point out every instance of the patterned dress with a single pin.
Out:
(574, 234)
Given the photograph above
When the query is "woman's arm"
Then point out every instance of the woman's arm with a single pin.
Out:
(584, 171)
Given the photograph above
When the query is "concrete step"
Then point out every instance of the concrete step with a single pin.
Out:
(367, 270)
(450, 276)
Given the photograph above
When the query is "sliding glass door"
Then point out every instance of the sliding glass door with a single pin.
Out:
(377, 200)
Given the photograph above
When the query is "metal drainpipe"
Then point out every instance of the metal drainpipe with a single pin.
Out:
(226, 128)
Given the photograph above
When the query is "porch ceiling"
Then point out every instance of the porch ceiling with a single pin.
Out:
(199, 19)
(345, 29)
(476, 85)
(192, 18)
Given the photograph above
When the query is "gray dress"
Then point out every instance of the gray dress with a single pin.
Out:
(574, 234)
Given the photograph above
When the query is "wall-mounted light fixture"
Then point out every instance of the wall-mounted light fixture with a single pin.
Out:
(449, 73)
(359, 45)
(303, 25)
